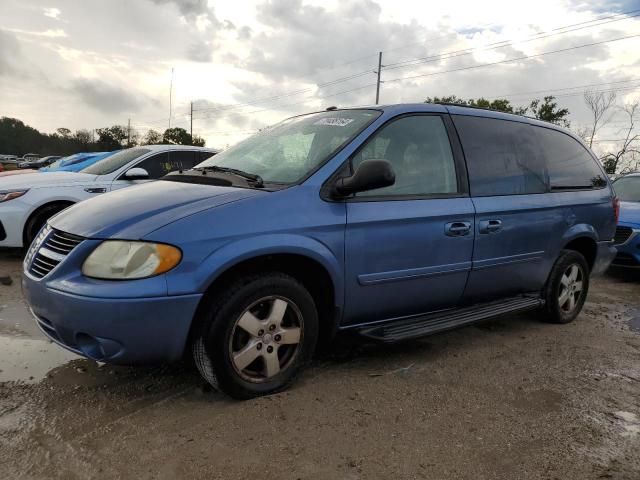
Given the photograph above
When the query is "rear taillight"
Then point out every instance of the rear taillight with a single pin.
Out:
(615, 201)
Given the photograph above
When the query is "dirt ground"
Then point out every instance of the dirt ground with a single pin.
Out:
(514, 398)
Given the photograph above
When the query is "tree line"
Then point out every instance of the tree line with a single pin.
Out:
(16, 138)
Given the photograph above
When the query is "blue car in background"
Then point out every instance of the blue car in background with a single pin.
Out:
(75, 162)
(393, 222)
(79, 165)
(627, 238)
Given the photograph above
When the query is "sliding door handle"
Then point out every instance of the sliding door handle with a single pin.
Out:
(489, 226)
(457, 229)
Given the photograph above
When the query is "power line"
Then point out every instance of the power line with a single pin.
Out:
(278, 107)
(566, 88)
(497, 45)
(424, 60)
(581, 25)
(277, 97)
(501, 62)
(368, 72)
(486, 25)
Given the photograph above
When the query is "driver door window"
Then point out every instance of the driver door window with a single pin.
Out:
(419, 151)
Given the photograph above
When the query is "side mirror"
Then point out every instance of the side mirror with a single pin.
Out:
(369, 175)
(136, 173)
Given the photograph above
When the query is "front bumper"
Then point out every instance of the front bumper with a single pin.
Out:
(13, 214)
(628, 252)
(129, 331)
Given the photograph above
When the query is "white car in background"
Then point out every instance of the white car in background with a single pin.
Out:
(27, 201)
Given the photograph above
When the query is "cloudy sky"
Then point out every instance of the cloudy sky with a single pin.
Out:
(246, 64)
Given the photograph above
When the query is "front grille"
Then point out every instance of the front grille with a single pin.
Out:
(41, 265)
(622, 235)
(61, 242)
(48, 250)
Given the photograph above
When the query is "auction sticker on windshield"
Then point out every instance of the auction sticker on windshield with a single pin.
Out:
(334, 122)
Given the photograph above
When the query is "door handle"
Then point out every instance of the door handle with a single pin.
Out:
(489, 226)
(457, 229)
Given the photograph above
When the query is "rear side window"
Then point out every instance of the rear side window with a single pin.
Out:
(503, 157)
(571, 166)
(419, 151)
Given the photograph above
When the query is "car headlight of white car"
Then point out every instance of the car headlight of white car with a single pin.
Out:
(128, 260)
(6, 195)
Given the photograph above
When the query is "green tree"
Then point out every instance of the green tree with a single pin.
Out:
(176, 136)
(83, 137)
(17, 138)
(198, 141)
(152, 137)
(63, 132)
(548, 110)
(112, 138)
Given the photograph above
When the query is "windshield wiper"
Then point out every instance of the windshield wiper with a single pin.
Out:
(255, 179)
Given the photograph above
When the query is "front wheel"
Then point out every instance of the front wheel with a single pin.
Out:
(567, 287)
(256, 336)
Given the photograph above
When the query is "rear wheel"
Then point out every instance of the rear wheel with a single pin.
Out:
(567, 287)
(256, 336)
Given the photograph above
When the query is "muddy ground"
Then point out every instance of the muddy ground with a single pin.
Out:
(514, 398)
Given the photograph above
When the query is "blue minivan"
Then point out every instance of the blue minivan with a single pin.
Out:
(393, 222)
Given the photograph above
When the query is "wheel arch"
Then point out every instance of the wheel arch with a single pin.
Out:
(584, 240)
(307, 260)
(65, 203)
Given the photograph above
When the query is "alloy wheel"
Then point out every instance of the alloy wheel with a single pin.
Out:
(266, 338)
(571, 288)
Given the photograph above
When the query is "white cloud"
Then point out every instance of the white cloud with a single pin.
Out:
(57, 33)
(52, 12)
(250, 63)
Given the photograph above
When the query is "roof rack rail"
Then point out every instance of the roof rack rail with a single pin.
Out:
(452, 104)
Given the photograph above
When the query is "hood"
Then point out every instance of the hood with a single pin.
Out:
(131, 213)
(43, 180)
(630, 213)
(10, 173)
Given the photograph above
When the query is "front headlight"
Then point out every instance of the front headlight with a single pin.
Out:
(124, 260)
(11, 194)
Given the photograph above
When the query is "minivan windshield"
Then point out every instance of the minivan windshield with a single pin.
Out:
(288, 151)
(628, 188)
(115, 161)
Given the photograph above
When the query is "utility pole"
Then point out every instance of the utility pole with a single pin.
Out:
(378, 72)
(128, 133)
(170, 95)
(191, 122)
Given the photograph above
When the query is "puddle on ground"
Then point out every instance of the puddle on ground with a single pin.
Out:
(26, 355)
(29, 359)
(634, 323)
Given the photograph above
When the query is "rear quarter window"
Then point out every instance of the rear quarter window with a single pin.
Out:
(503, 157)
(571, 166)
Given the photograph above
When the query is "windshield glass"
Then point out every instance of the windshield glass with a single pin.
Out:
(115, 161)
(60, 160)
(291, 149)
(628, 188)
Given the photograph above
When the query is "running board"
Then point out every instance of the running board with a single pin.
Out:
(420, 326)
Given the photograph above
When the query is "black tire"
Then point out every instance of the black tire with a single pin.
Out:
(554, 311)
(213, 343)
(38, 219)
